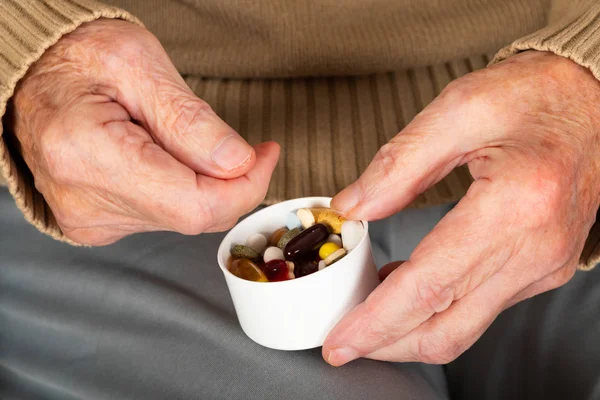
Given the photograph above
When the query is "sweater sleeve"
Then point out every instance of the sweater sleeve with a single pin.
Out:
(573, 31)
(27, 29)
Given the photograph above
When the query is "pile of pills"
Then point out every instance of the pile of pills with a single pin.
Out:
(312, 239)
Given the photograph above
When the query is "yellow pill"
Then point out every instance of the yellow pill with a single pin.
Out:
(327, 249)
(246, 269)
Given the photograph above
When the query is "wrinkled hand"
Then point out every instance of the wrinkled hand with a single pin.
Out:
(528, 129)
(119, 144)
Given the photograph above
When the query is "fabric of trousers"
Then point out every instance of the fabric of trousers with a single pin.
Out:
(150, 317)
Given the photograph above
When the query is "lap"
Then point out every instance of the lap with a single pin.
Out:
(150, 317)
(547, 347)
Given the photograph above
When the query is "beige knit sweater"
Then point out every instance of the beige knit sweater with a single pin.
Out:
(330, 80)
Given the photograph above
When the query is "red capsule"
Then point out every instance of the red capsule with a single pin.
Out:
(276, 271)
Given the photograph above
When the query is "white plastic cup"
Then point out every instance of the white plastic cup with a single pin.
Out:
(299, 313)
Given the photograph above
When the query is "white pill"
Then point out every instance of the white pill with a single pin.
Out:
(333, 238)
(257, 242)
(273, 253)
(336, 255)
(292, 221)
(352, 233)
(322, 265)
(306, 217)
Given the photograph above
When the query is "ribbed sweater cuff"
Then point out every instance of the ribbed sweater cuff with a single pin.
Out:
(27, 29)
(577, 38)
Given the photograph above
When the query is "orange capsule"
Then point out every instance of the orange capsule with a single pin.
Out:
(246, 269)
(276, 236)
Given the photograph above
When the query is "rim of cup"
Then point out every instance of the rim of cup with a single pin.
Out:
(223, 253)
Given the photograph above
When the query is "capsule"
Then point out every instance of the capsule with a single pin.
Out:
(276, 271)
(246, 269)
(306, 265)
(276, 236)
(306, 241)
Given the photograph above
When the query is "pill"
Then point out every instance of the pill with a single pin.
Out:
(289, 235)
(336, 255)
(241, 251)
(333, 238)
(305, 266)
(327, 248)
(292, 221)
(257, 242)
(291, 267)
(329, 218)
(273, 253)
(276, 236)
(306, 217)
(322, 265)
(308, 240)
(352, 233)
(276, 271)
(246, 269)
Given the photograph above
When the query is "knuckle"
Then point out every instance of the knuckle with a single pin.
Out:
(464, 92)
(544, 195)
(546, 201)
(437, 348)
(193, 220)
(54, 158)
(68, 221)
(375, 327)
(90, 236)
(562, 276)
(225, 226)
(388, 160)
(432, 295)
(188, 113)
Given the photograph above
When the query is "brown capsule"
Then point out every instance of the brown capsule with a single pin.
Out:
(306, 241)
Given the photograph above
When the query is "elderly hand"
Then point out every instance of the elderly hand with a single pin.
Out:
(528, 129)
(119, 144)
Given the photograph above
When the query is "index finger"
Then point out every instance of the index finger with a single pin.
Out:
(213, 204)
(444, 267)
(166, 194)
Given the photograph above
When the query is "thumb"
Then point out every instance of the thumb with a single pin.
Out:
(414, 160)
(183, 124)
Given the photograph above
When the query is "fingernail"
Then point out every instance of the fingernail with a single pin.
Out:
(341, 356)
(347, 199)
(231, 153)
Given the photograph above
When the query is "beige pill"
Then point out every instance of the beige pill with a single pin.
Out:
(306, 217)
(336, 255)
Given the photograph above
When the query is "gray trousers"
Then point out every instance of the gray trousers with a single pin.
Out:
(151, 318)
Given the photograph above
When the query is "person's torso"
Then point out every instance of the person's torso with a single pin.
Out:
(283, 38)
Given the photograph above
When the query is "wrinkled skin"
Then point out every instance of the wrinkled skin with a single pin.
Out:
(119, 144)
(528, 129)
